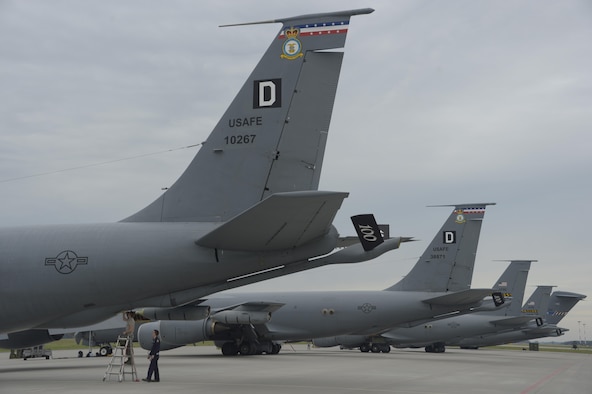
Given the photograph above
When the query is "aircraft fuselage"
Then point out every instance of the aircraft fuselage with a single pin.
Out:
(313, 314)
(446, 329)
(74, 275)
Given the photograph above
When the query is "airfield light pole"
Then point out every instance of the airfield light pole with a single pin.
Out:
(580, 330)
(585, 342)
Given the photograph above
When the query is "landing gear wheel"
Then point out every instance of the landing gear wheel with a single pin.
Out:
(104, 350)
(247, 349)
(229, 349)
(375, 348)
(364, 348)
(275, 348)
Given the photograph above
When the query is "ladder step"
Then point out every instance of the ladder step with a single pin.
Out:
(117, 365)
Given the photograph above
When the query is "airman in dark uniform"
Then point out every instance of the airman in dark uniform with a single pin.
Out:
(153, 357)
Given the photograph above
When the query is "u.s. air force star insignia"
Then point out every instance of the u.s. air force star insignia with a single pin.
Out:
(366, 308)
(66, 262)
(292, 47)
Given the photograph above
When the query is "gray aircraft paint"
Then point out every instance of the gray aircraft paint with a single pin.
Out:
(556, 305)
(512, 282)
(74, 275)
(534, 307)
(285, 109)
(306, 315)
(453, 252)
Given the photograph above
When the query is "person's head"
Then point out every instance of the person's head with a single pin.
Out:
(155, 333)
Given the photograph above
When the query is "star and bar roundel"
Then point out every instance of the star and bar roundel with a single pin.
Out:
(66, 262)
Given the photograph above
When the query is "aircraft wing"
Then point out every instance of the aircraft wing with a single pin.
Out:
(250, 313)
(252, 306)
(281, 221)
(464, 297)
(113, 322)
(513, 321)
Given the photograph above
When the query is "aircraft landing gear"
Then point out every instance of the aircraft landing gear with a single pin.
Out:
(229, 349)
(438, 347)
(275, 348)
(375, 347)
(248, 348)
(105, 351)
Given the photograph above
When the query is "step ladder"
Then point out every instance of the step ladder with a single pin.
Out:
(117, 365)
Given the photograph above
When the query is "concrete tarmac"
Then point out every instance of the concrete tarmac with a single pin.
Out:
(298, 370)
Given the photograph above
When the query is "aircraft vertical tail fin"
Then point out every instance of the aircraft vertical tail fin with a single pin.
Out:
(560, 303)
(512, 284)
(538, 302)
(272, 137)
(447, 264)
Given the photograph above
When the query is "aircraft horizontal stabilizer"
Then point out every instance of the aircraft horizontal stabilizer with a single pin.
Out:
(281, 221)
(356, 253)
(464, 297)
(366, 228)
(344, 242)
(567, 294)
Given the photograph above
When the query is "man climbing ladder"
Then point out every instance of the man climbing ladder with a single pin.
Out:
(117, 364)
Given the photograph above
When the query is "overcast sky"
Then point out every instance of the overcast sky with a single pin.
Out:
(439, 102)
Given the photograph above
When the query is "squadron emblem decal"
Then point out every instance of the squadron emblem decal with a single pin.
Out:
(292, 47)
(460, 218)
(66, 262)
(460, 213)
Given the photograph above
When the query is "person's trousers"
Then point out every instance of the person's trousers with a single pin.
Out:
(153, 369)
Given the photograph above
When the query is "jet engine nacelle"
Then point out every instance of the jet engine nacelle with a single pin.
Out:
(187, 312)
(177, 333)
(241, 317)
(173, 333)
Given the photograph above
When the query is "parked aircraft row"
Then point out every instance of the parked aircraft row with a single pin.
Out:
(437, 286)
(537, 318)
(424, 309)
(306, 316)
(247, 209)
